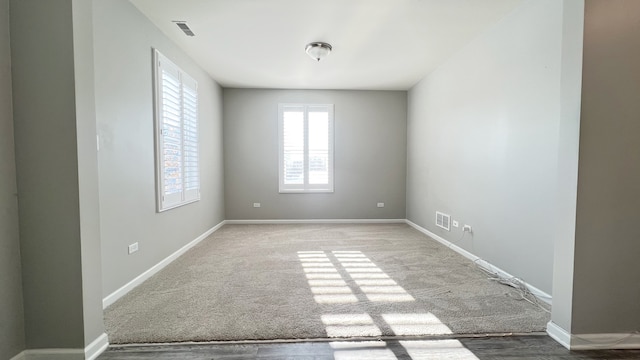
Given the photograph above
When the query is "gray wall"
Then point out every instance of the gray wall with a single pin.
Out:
(483, 140)
(607, 271)
(56, 171)
(11, 311)
(123, 64)
(370, 155)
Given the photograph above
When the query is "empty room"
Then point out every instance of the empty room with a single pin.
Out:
(368, 179)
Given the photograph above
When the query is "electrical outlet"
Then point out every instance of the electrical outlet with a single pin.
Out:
(467, 228)
(256, 205)
(380, 205)
(133, 248)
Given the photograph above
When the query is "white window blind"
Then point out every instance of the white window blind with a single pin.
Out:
(306, 148)
(176, 123)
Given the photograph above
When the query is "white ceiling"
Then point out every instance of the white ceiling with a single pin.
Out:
(377, 44)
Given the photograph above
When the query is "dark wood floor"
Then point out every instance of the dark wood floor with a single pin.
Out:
(535, 347)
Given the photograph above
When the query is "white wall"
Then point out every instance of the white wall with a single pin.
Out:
(124, 39)
(483, 140)
(11, 311)
(570, 84)
(370, 155)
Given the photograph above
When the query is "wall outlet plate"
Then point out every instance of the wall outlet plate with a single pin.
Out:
(455, 223)
(380, 205)
(133, 248)
(256, 205)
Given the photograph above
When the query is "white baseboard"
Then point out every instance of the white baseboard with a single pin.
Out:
(91, 352)
(559, 334)
(543, 296)
(114, 296)
(315, 221)
(441, 240)
(54, 354)
(97, 347)
(621, 341)
(19, 357)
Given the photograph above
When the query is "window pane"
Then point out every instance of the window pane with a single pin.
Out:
(318, 148)
(293, 137)
(306, 147)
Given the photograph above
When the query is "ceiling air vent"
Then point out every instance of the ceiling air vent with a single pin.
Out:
(443, 220)
(184, 27)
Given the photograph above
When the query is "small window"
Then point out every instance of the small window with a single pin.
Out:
(176, 127)
(306, 148)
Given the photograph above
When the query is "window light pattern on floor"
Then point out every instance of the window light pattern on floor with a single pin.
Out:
(372, 281)
(319, 271)
(329, 274)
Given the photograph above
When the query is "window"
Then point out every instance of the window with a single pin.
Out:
(176, 126)
(306, 148)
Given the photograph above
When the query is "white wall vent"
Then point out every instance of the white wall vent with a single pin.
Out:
(184, 27)
(443, 220)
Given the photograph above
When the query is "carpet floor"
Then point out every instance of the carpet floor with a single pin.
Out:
(254, 282)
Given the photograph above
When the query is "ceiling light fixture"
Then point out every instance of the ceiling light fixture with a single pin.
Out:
(318, 50)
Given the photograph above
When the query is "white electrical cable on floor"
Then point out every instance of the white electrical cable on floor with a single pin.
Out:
(514, 282)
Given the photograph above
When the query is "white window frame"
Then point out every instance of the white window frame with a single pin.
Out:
(305, 187)
(185, 110)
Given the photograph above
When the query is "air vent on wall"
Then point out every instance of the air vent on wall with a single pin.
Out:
(443, 220)
(184, 27)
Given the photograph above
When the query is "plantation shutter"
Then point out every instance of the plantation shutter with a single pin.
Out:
(177, 140)
(191, 171)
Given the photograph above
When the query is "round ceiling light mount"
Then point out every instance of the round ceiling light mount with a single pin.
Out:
(318, 50)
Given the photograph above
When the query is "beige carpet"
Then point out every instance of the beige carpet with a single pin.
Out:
(317, 281)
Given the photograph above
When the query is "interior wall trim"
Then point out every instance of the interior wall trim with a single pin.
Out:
(20, 356)
(621, 341)
(91, 352)
(114, 296)
(604, 341)
(53, 354)
(559, 334)
(315, 221)
(97, 347)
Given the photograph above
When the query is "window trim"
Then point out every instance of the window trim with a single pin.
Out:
(186, 196)
(306, 188)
